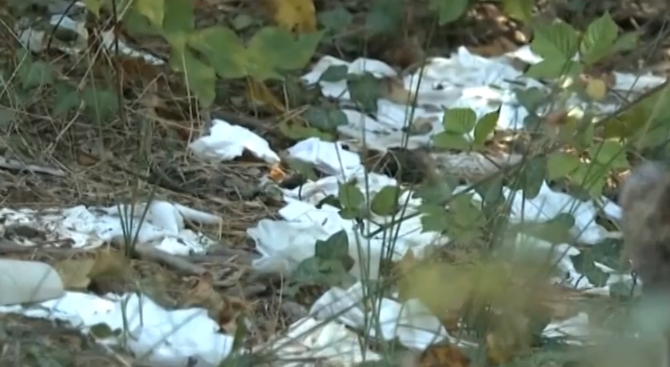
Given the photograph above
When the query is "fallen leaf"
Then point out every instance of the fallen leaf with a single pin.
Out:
(295, 15)
(110, 265)
(443, 355)
(276, 173)
(259, 94)
(231, 309)
(394, 90)
(75, 273)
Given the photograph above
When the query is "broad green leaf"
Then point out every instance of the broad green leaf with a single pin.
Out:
(336, 20)
(334, 248)
(365, 90)
(384, 16)
(555, 231)
(223, 49)
(302, 167)
(557, 41)
(519, 9)
(325, 119)
(93, 6)
(34, 74)
(200, 77)
(530, 177)
(584, 265)
(598, 40)
(385, 201)
(449, 10)
(138, 25)
(101, 104)
(560, 165)
(485, 127)
(300, 132)
(465, 220)
(610, 153)
(283, 50)
(459, 120)
(435, 218)
(438, 191)
(179, 17)
(335, 73)
(553, 68)
(446, 140)
(350, 195)
(590, 177)
(628, 41)
(152, 9)
(67, 99)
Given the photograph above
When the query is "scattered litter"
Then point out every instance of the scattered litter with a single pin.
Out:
(28, 281)
(86, 228)
(309, 342)
(574, 330)
(227, 142)
(411, 322)
(71, 36)
(167, 338)
(328, 157)
(19, 166)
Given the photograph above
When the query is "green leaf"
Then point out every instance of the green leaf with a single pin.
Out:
(590, 177)
(200, 77)
(555, 231)
(281, 50)
(556, 41)
(519, 9)
(385, 16)
(101, 104)
(446, 140)
(325, 119)
(334, 248)
(553, 68)
(385, 201)
(436, 192)
(302, 167)
(152, 10)
(335, 73)
(531, 98)
(67, 99)
(365, 90)
(350, 195)
(93, 6)
(584, 264)
(222, 48)
(598, 39)
(608, 252)
(560, 165)
(459, 120)
(485, 127)
(449, 10)
(299, 132)
(465, 220)
(609, 153)
(435, 218)
(531, 177)
(336, 20)
(34, 74)
(178, 17)
(627, 42)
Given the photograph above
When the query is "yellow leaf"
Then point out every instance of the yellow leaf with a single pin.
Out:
(259, 94)
(75, 273)
(295, 15)
(596, 89)
(109, 264)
